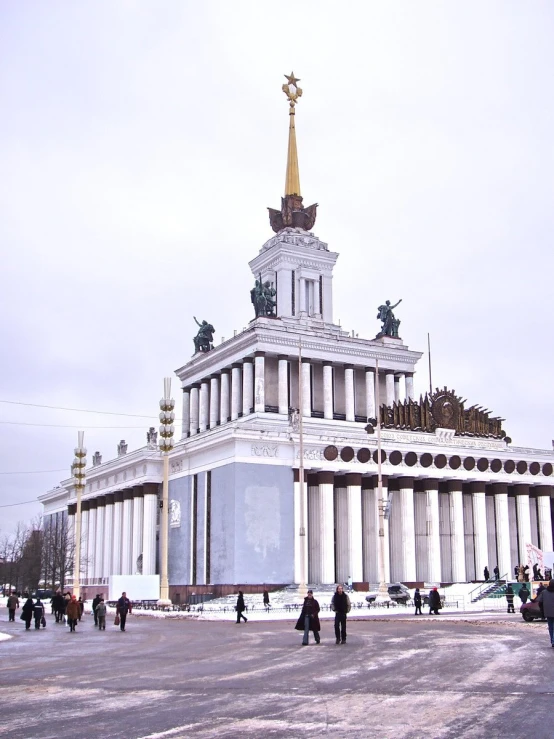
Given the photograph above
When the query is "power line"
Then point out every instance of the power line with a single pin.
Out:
(78, 410)
(64, 426)
(32, 472)
(25, 502)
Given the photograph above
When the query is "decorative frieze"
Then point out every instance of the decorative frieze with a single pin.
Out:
(265, 450)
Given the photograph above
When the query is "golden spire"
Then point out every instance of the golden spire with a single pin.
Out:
(292, 180)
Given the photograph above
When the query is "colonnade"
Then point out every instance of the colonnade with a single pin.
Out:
(117, 529)
(438, 531)
(239, 390)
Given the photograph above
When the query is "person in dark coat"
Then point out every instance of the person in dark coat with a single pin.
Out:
(340, 604)
(58, 604)
(39, 613)
(240, 608)
(434, 602)
(266, 600)
(27, 613)
(95, 602)
(510, 598)
(546, 601)
(496, 573)
(524, 593)
(72, 611)
(417, 603)
(13, 603)
(81, 607)
(309, 620)
(486, 573)
(123, 608)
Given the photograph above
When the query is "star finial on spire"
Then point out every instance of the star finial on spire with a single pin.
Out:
(291, 89)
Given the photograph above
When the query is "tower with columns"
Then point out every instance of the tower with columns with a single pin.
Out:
(458, 503)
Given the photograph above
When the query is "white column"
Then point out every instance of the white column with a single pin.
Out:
(502, 528)
(349, 392)
(386, 526)
(91, 554)
(117, 531)
(354, 507)
(302, 296)
(283, 386)
(247, 387)
(224, 410)
(85, 569)
(214, 402)
(306, 389)
(370, 392)
(236, 382)
(99, 546)
(397, 388)
(204, 405)
(389, 379)
(300, 542)
(480, 529)
(138, 523)
(327, 390)
(342, 564)
(457, 530)
(127, 534)
(194, 410)
(544, 520)
(523, 514)
(108, 537)
(326, 527)
(71, 509)
(259, 383)
(433, 535)
(149, 530)
(406, 490)
(409, 386)
(185, 425)
(370, 531)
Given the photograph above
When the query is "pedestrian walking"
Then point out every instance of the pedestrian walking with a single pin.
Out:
(95, 602)
(309, 620)
(81, 607)
(546, 600)
(240, 608)
(510, 598)
(266, 600)
(13, 604)
(123, 608)
(39, 613)
(100, 615)
(27, 613)
(524, 593)
(340, 604)
(496, 573)
(434, 602)
(72, 611)
(58, 604)
(486, 573)
(417, 603)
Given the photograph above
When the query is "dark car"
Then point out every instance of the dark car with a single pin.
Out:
(398, 592)
(531, 610)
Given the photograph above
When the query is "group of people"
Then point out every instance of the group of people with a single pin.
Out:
(521, 573)
(435, 603)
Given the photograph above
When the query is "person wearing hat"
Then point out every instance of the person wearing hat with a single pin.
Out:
(38, 613)
(72, 611)
(434, 602)
(309, 620)
(524, 593)
(340, 604)
(13, 603)
(546, 601)
(417, 602)
(510, 598)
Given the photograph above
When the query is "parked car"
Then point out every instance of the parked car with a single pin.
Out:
(397, 592)
(530, 610)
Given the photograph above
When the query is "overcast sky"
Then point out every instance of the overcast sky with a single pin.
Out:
(141, 143)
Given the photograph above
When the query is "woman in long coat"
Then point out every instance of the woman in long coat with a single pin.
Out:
(27, 612)
(309, 620)
(73, 611)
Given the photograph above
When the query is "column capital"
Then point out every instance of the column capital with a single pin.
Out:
(236, 365)
(186, 389)
(325, 478)
(520, 489)
(353, 479)
(225, 371)
(326, 363)
(389, 372)
(367, 483)
(408, 374)
(72, 509)
(101, 501)
(92, 504)
(195, 386)
(109, 498)
(405, 483)
(259, 354)
(282, 357)
(454, 486)
(348, 366)
(499, 488)
(306, 360)
(118, 496)
(312, 479)
(85, 505)
(296, 473)
(384, 481)
(128, 494)
(369, 369)
(426, 484)
(542, 490)
(477, 486)
(138, 491)
(248, 360)
(340, 481)
(150, 488)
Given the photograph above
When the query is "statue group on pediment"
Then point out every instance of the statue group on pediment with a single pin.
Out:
(203, 341)
(263, 297)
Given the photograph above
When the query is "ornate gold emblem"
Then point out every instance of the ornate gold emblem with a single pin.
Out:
(291, 89)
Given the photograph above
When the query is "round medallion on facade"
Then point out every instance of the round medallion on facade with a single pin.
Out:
(445, 409)
(509, 466)
(547, 469)
(440, 461)
(454, 462)
(363, 455)
(395, 457)
(496, 465)
(330, 453)
(383, 456)
(469, 463)
(411, 459)
(521, 467)
(483, 464)
(347, 454)
(534, 468)
(426, 459)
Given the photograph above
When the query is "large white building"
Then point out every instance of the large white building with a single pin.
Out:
(462, 497)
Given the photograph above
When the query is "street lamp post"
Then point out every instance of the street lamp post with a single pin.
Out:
(78, 470)
(167, 416)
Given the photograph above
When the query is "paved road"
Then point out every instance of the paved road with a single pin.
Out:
(402, 678)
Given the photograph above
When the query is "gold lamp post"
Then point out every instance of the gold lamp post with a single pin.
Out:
(167, 416)
(78, 471)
